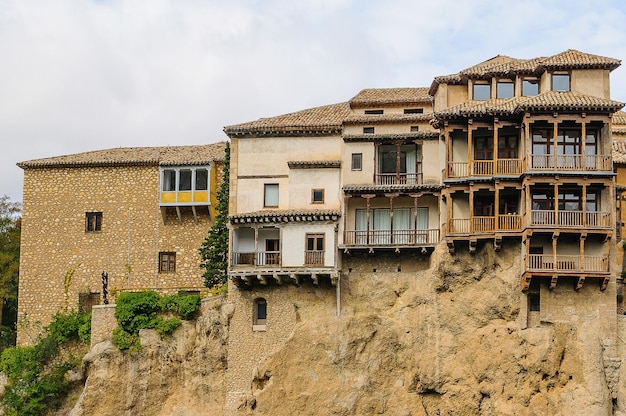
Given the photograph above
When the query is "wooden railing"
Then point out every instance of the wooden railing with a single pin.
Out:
(567, 263)
(391, 238)
(485, 168)
(314, 257)
(261, 258)
(594, 219)
(398, 179)
(570, 162)
(485, 224)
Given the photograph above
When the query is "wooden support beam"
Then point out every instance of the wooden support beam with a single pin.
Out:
(262, 279)
(497, 243)
(315, 279)
(605, 283)
(581, 282)
(525, 283)
(472, 246)
(553, 281)
(195, 214)
(278, 279)
(450, 244)
(179, 215)
(295, 278)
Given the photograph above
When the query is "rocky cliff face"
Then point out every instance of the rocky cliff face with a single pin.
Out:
(444, 336)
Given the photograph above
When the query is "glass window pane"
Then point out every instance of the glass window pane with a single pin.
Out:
(185, 180)
(169, 180)
(356, 161)
(482, 91)
(505, 90)
(271, 195)
(202, 179)
(530, 87)
(560, 82)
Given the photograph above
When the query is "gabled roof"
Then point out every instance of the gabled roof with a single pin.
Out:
(134, 156)
(378, 97)
(547, 101)
(388, 118)
(324, 120)
(506, 66)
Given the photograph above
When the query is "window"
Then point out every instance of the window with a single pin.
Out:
(530, 87)
(356, 161)
(259, 318)
(93, 222)
(167, 262)
(415, 128)
(505, 89)
(271, 195)
(507, 146)
(374, 112)
(534, 302)
(202, 179)
(483, 147)
(413, 110)
(560, 82)
(317, 196)
(482, 91)
(86, 301)
(314, 253)
(368, 130)
(543, 199)
(169, 180)
(185, 179)
(405, 169)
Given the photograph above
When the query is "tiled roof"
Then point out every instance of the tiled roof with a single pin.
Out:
(285, 216)
(619, 152)
(422, 134)
(373, 97)
(572, 59)
(547, 101)
(387, 118)
(507, 66)
(402, 188)
(619, 118)
(314, 164)
(323, 120)
(127, 156)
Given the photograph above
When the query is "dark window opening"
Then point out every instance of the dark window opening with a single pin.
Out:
(317, 196)
(413, 111)
(356, 161)
(202, 179)
(93, 221)
(260, 312)
(374, 111)
(368, 130)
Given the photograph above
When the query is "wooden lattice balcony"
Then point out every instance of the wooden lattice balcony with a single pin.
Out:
(485, 224)
(567, 263)
(484, 168)
(381, 238)
(570, 162)
(566, 219)
(261, 258)
(398, 179)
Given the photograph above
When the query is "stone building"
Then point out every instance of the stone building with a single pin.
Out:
(508, 149)
(137, 214)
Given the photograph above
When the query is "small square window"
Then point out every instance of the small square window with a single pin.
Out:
(270, 199)
(560, 82)
(413, 110)
(317, 196)
(482, 91)
(374, 112)
(93, 222)
(167, 262)
(530, 87)
(356, 161)
(415, 128)
(368, 130)
(505, 89)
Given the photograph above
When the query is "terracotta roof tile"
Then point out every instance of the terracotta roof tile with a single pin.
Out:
(422, 134)
(313, 164)
(619, 118)
(126, 156)
(572, 58)
(322, 119)
(285, 216)
(385, 118)
(619, 151)
(374, 97)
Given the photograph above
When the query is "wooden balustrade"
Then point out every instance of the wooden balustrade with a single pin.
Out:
(567, 263)
(261, 258)
(482, 168)
(459, 226)
(458, 169)
(391, 238)
(593, 219)
(483, 224)
(509, 167)
(314, 257)
(509, 222)
(398, 179)
(570, 162)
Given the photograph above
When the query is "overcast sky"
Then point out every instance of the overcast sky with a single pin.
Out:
(79, 75)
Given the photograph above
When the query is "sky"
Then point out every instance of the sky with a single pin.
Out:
(82, 75)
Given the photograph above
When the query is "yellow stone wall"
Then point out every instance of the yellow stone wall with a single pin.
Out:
(55, 247)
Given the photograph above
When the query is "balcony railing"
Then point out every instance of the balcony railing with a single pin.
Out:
(391, 238)
(314, 257)
(594, 219)
(485, 168)
(398, 179)
(570, 162)
(485, 224)
(567, 263)
(261, 258)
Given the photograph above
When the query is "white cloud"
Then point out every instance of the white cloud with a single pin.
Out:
(80, 75)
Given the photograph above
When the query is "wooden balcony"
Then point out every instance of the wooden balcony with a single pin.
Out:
(398, 179)
(314, 257)
(569, 219)
(485, 224)
(485, 168)
(570, 162)
(567, 263)
(388, 238)
(261, 258)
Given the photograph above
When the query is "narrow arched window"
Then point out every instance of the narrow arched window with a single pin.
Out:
(260, 314)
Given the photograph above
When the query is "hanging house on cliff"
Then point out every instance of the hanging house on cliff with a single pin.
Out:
(138, 214)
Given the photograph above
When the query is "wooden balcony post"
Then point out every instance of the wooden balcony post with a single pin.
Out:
(470, 148)
(471, 210)
(583, 153)
(495, 169)
(256, 245)
(555, 237)
(556, 204)
(584, 204)
(367, 216)
(583, 237)
(555, 135)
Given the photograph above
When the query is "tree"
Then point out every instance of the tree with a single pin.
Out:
(10, 230)
(214, 249)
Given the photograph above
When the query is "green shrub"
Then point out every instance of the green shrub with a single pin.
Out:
(184, 305)
(66, 326)
(125, 340)
(167, 326)
(135, 311)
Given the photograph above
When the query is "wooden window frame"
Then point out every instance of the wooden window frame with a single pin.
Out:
(167, 262)
(316, 237)
(93, 222)
(313, 192)
(355, 157)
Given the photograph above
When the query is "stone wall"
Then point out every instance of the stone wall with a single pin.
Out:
(103, 323)
(60, 260)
